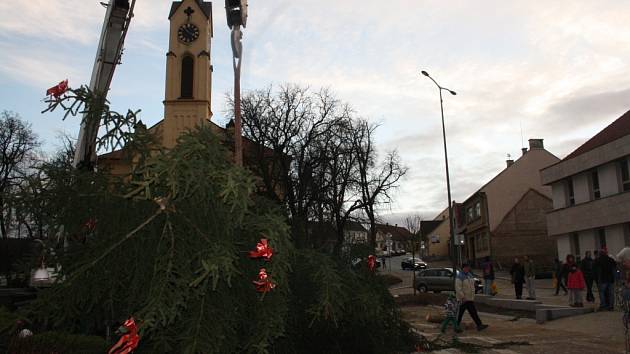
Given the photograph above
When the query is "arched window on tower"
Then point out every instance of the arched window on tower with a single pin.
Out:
(187, 77)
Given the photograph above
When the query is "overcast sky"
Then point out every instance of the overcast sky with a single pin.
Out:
(558, 69)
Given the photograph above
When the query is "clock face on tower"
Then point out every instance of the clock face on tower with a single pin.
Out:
(188, 33)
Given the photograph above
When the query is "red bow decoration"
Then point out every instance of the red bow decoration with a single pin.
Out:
(129, 341)
(262, 250)
(263, 284)
(58, 90)
(371, 262)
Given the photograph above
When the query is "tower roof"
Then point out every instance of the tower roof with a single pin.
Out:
(206, 7)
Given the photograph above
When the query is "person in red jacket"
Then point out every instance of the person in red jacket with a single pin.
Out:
(576, 286)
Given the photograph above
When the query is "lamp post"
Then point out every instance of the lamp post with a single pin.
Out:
(236, 12)
(448, 179)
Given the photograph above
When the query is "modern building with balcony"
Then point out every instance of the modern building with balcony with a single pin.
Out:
(591, 193)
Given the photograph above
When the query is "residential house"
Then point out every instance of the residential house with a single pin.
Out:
(355, 233)
(437, 233)
(324, 236)
(399, 237)
(506, 218)
(591, 193)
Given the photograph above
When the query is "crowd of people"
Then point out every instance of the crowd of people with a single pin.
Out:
(575, 277)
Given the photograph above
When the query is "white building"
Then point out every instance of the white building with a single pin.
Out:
(591, 193)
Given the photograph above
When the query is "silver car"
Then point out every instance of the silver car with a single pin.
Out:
(439, 279)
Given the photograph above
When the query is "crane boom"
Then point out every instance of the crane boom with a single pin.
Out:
(117, 19)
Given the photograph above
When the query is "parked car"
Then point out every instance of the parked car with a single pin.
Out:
(413, 263)
(440, 279)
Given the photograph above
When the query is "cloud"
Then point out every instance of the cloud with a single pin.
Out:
(582, 108)
(37, 67)
(76, 21)
(559, 71)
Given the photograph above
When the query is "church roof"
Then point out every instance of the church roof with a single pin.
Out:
(206, 7)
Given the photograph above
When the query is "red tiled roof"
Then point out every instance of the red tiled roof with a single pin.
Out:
(617, 129)
(398, 233)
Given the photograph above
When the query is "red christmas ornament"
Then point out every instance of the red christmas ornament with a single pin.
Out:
(371, 262)
(57, 91)
(262, 250)
(263, 284)
(129, 341)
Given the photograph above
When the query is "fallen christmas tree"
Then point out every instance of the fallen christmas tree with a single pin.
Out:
(171, 248)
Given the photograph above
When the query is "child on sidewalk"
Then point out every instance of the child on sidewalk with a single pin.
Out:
(451, 309)
(576, 285)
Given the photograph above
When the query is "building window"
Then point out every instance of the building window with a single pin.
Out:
(478, 210)
(595, 184)
(575, 244)
(601, 234)
(626, 234)
(625, 175)
(470, 214)
(570, 193)
(187, 77)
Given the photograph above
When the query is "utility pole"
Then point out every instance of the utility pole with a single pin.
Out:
(451, 218)
(236, 12)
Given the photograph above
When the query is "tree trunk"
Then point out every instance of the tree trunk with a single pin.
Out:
(3, 227)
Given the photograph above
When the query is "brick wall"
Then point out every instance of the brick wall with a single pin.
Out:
(524, 232)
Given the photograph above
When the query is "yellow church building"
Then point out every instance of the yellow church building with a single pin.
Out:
(188, 86)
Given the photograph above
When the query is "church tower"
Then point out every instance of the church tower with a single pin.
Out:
(188, 69)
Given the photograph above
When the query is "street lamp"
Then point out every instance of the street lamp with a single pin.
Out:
(448, 180)
(236, 12)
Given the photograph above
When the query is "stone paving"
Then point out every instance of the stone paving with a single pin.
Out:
(594, 333)
(599, 332)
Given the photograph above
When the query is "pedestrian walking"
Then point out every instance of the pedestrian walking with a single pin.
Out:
(383, 262)
(606, 269)
(576, 285)
(465, 293)
(586, 266)
(530, 276)
(488, 276)
(451, 311)
(557, 271)
(518, 277)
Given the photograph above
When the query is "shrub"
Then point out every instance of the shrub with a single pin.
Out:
(58, 343)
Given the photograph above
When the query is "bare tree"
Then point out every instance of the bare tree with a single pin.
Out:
(314, 155)
(291, 132)
(413, 222)
(375, 181)
(17, 144)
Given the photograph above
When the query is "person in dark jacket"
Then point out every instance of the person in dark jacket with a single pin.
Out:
(488, 276)
(587, 269)
(557, 271)
(518, 277)
(606, 269)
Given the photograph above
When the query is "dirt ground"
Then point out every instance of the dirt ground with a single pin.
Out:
(600, 332)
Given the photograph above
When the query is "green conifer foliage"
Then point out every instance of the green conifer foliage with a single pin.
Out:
(170, 248)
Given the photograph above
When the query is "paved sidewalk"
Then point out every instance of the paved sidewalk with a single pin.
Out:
(600, 333)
